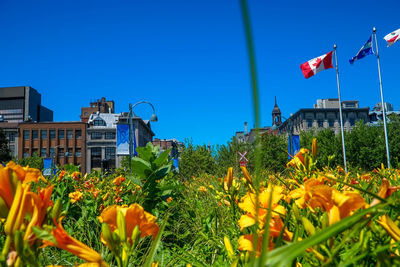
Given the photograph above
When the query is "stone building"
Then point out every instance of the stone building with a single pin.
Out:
(101, 142)
(325, 115)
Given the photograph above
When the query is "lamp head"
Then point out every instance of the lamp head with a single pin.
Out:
(154, 117)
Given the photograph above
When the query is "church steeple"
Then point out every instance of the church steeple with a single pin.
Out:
(276, 115)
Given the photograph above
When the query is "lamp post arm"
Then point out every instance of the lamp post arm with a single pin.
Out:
(147, 102)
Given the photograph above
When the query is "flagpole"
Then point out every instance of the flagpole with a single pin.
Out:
(383, 104)
(340, 110)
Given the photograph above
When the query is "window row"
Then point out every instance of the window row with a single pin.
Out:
(331, 123)
(52, 134)
(100, 135)
(60, 153)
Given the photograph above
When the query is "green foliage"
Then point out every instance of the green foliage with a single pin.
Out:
(34, 162)
(151, 167)
(273, 152)
(4, 151)
(195, 160)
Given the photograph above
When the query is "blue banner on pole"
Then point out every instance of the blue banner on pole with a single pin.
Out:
(296, 145)
(47, 166)
(122, 139)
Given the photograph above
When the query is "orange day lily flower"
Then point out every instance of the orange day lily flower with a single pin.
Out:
(134, 215)
(74, 246)
(40, 202)
(75, 196)
(117, 181)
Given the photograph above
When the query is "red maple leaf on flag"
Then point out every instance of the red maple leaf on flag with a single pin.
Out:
(317, 62)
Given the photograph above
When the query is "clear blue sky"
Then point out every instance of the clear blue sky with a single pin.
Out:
(189, 57)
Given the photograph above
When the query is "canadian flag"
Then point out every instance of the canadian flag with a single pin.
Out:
(315, 65)
(392, 37)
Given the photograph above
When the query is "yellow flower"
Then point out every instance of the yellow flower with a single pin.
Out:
(75, 196)
(72, 245)
(391, 228)
(202, 189)
(298, 159)
(248, 205)
(134, 215)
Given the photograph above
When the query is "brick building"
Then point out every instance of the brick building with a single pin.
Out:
(63, 141)
(101, 106)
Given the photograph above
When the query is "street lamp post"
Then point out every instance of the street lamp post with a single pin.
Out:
(290, 125)
(130, 116)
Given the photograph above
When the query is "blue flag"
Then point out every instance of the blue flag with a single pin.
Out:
(364, 51)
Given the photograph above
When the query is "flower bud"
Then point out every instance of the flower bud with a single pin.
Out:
(314, 148)
(228, 247)
(135, 236)
(325, 220)
(296, 212)
(121, 223)
(308, 226)
(107, 235)
(55, 213)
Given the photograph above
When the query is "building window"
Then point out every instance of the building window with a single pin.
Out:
(43, 152)
(320, 123)
(61, 134)
(352, 122)
(70, 134)
(60, 152)
(96, 135)
(110, 135)
(70, 152)
(78, 152)
(35, 134)
(96, 157)
(99, 122)
(309, 123)
(43, 134)
(52, 134)
(10, 136)
(35, 151)
(78, 133)
(26, 135)
(52, 152)
(110, 152)
(331, 123)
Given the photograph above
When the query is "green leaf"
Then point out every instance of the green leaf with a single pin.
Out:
(162, 158)
(140, 167)
(145, 153)
(163, 171)
(43, 234)
(283, 256)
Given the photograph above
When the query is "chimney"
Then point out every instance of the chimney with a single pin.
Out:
(245, 127)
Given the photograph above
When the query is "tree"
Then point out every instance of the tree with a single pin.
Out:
(274, 152)
(5, 155)
(196, 160)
